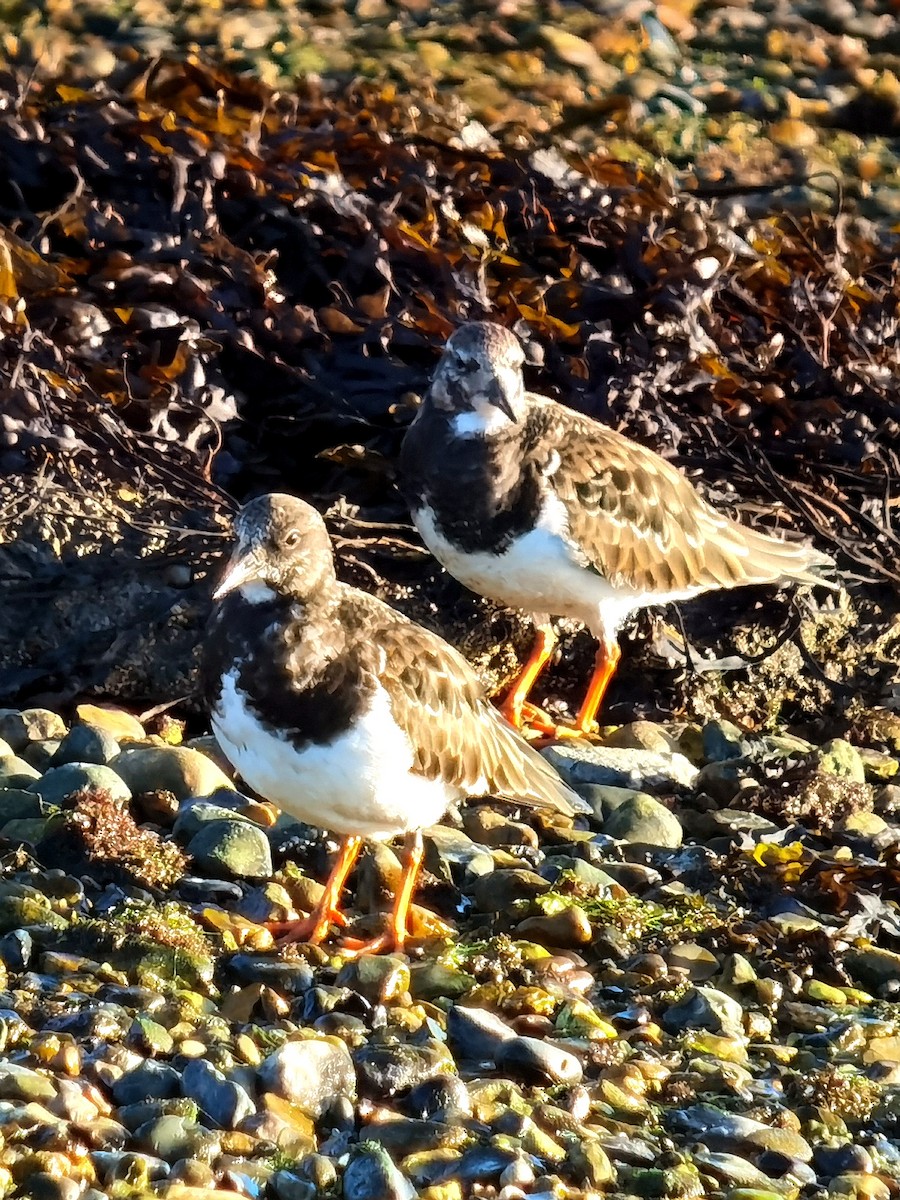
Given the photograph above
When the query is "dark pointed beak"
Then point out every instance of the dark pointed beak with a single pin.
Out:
(499, 397)
(241, 568)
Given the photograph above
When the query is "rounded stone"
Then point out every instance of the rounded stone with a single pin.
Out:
(171, 769)
(60, 783)
(18, 728)
(644, 821)
(371, 1175)
(225, 1101)
(236, 847)
(533, 1059)
(309, 1073)
(86, 744)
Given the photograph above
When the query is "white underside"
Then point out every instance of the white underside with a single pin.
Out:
(359, 783)
(540, 573)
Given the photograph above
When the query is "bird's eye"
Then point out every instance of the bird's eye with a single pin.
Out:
(291, 539)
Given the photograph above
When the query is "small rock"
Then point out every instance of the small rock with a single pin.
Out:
(848, 1158)
(431, 980)
(195, 814)
(863, 825)
(41, 1185)
(226, 1102)
(476, 1033)
(873, 967)
(86, 744)
(60, 783)
(586, 875)
(149, 1037)
(537, 1060)
(492, 828)
(497, 891)
(838, 757)
(236, 847)
(18, 804)
(706, 1008)
(380, 978)
(16, 773)
(723, 740)
(644, 821)
(121, 725)
(386, 1071)
(30, 725)
(641, 735)
(370, 1175)
(172, 1138)
(697, 961)
(857, 1186)
(605, 799)
(170, 768)
(565, 929)
(286, 1185)
(443, 1097)
(151, 1080)
(645, 770)
(310, 1073)
(40, 754)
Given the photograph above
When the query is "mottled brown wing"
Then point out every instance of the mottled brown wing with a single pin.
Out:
(456, 734)
(641, 524)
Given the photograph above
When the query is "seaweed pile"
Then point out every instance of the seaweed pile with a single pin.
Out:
(211, 288)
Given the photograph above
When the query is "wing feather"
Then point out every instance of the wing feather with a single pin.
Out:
(641, 524)
(456, 733)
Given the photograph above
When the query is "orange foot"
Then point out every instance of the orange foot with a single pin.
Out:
(394, 937)
(312, 929)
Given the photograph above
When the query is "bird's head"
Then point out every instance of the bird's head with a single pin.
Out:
(282, 549)
(478, 381)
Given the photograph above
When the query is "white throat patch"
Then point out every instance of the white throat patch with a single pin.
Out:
(482, 421)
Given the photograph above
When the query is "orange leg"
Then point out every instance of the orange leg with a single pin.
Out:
(605, 663)
(608, 655)
(394, 937)
(515, 707)
(314, 928)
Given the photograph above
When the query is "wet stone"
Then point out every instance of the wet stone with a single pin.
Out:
(40, 754)
(172, 769)
(172, 1138)
(476, 1033)
(532, 1059)
(152, 1079)
(386, 1071)
(236, 847)
(431, 980)
(18, 804)
(706, 1008)
(16, 773)
(194, 815)
(371, 1175)
(287, 1185)
(497, 891)
(309, 1073)
(848, 1158)
(149, 1036)
(644, 821)
(644, 770)
(379, 978)
(30, 725)
(723, 740)
(221, 1099)
(86, 744)
(442, 1097)
(838, 757)
(60, 783)
(566, 929)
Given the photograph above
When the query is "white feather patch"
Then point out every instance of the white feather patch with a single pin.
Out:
(361, 782)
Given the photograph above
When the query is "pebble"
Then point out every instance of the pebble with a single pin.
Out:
(18, 728)
(497, 891)
(309, 1073)
(476, 1033)
(221, 1099)
(390, 1070)
(371, 1175)
(151, 1080)
(536, 1060)
(236, 847)
(172, 769)
(706, 1008)
(644, 821)
(86, 744)
(644, 770)
(60, 783)
(117, 722)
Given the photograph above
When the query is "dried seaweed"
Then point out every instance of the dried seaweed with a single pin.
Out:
(210, 288)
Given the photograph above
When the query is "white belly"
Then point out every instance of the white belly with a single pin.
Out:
(359, 783)
(539, 572)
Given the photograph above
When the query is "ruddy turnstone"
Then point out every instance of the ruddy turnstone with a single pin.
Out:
(543, 509)
(342, 712)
